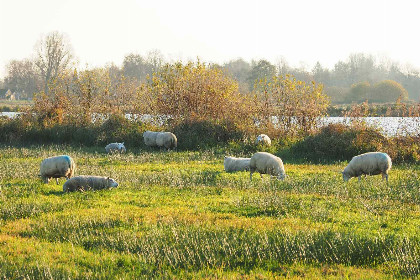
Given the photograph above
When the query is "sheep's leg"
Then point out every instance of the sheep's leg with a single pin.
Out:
(385, 176)
(250, 175)
(56, 179)
(360, 177)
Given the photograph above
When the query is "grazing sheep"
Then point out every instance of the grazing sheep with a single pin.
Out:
(263, 139)
(149, 138)
(57, 167)
(160, 139)
(372, 163)
(266, 163)
(84, 182)
(115, 147)
(233, 164)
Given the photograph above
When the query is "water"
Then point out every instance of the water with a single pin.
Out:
(9, 114)
(390, 126)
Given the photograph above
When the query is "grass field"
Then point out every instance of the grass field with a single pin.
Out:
(179, 215)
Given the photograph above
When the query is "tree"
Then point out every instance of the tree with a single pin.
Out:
(155, 61)
(359, 92)
(388, 91)
(197, 92)
(53, 56)
(320, 74)
(296, 105)
(21, 77)
(261, 70)
(135, 66)
(239, 69)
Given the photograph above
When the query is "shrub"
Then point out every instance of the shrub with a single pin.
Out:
(340, 142)
(295, 104)
(197, 92)
(200, 134)
(388, 91)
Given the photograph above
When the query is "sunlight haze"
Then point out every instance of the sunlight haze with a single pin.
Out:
(301, 32)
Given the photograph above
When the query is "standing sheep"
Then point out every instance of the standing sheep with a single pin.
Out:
(372, 163)
(266, 163)
(167, 140)
(149, 138)
(263, 139)
(233, 164)
(115, 147)
(84, 182)
(57, 167)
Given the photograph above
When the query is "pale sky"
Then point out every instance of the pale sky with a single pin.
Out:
(300, 31)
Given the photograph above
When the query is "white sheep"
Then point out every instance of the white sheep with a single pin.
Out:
(266, 163)
(233, 164)
(57, 167)
(263, 139)
(167, 140)
(115, 147)
(372, 163)
(84, 182)
(149, 138)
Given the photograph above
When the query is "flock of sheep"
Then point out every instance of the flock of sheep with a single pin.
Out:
(372, 163)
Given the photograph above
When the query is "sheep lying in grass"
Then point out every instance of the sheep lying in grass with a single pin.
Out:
(57, 167)
(233, 164)
(115, 148)
(263, 139)
(372, 163)
(266, 163)
(167, 140)
(84, 182)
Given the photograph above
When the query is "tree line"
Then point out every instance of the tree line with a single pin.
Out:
(359, 78)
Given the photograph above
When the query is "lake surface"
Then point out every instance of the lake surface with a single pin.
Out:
(390, 126)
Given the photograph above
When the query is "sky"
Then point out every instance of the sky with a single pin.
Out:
(300, 31)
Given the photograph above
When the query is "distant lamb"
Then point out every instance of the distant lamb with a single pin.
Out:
(57, 167)
(266, 163)
(84, 183)
(263, 139)
(372, 163)
(167, 140)
(233, 164)
(115, 148)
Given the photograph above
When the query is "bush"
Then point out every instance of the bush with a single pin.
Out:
(340, 142)
(200, 134)
(116, 129)
(405, 149)
(120, 129)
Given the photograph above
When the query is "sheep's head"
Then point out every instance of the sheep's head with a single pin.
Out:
(121, 147)
(346, 176)
(112, 183)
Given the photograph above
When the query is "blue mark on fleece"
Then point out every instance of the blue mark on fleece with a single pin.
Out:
(68, 160)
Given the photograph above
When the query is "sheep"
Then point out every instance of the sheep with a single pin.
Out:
(115, 147)
(84, 182)
(266, 163)
(372, 163)
(57, 167)
(233, 164)
(263, 139)
(160, 139)
(149, 138)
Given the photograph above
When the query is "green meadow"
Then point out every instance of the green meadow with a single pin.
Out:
(178, 215)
